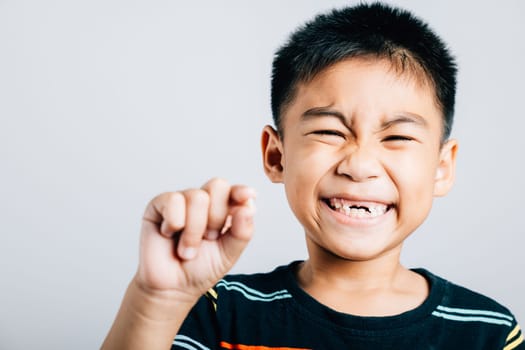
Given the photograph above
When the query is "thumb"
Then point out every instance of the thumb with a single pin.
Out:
(240, 232)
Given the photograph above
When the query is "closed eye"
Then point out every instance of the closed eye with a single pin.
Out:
(398, 138)
(328, 133)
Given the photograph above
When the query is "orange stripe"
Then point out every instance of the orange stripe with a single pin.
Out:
(226, 345)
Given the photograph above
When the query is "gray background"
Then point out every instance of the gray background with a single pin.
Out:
(104, 104)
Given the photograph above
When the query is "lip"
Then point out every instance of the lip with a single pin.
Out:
(357, 222)
(358, 200)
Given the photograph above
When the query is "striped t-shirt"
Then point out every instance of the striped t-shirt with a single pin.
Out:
(270, 311)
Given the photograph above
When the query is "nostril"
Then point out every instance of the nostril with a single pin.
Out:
(359, 164)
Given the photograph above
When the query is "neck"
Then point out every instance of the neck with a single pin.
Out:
(324, 267)
(375, 287)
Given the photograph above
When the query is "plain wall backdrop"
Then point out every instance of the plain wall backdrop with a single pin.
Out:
(104, 104)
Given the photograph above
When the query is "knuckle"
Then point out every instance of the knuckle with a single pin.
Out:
(173, 198)
(199, 197)
(219, 182)
(156, 200)
(216, 183)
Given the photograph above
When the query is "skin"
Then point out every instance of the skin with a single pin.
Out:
(358, 131)
(364, 132)
(189, 240)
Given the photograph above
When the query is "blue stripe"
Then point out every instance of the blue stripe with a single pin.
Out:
(253, 291)
(472, 318)
(253, 294)
(474, 312)
(184, 345)
(180, 340)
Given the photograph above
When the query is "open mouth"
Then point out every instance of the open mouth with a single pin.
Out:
(356, 209)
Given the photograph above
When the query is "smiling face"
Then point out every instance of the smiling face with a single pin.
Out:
(361, 158)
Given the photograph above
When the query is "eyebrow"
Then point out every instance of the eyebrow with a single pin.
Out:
(405, 118)
(324, 112)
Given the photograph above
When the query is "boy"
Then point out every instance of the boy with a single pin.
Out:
(363, 101)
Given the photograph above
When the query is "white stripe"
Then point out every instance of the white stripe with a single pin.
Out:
(179, 340)
(184, 345)
(251, 297)
(472, 318)
(244, 290)
(474, 312)
(252, 291)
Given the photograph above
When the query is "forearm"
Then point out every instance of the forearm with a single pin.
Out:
(145, 321)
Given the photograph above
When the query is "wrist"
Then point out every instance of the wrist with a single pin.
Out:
(148, 319)
(160, 305)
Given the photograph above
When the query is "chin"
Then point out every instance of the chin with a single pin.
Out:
(362, 255)
(355, 253)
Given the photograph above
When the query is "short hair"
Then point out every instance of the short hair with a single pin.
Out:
(372, 30)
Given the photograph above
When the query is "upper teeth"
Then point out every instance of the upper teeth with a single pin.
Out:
(346, 207)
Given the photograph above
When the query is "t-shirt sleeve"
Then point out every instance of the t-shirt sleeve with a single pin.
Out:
(199, 331)
(514, 340)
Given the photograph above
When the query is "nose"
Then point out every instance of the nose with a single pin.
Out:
(359, 164)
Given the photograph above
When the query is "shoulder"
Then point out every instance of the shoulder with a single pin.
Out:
(465, 309)
(463, 301)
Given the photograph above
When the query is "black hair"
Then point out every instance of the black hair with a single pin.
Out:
(372, 30)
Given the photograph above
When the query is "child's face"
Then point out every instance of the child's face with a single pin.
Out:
(361, 158)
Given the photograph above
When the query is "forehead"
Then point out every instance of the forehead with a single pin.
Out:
(375, 87)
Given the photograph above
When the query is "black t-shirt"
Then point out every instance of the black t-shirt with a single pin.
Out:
(270, 311)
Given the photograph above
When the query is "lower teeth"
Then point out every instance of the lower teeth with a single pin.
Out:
(359, 213)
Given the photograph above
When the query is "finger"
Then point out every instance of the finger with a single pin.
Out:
(174, 214)
(240, 194)
(197, 204)
(168, 211)
(219, 192)
(242, 225)
(154, 247)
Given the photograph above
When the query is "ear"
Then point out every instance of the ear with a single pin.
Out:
(272, 152)
(446, 170)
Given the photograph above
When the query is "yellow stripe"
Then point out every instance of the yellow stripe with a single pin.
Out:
(514, 344)
(213, 293)
(514, 332)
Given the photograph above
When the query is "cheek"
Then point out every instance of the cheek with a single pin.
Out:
(307, 164)
(414, 175)
(303, 172)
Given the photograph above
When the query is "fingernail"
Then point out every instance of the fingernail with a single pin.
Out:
(227, 224)
(211, 235)
(188, 253)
